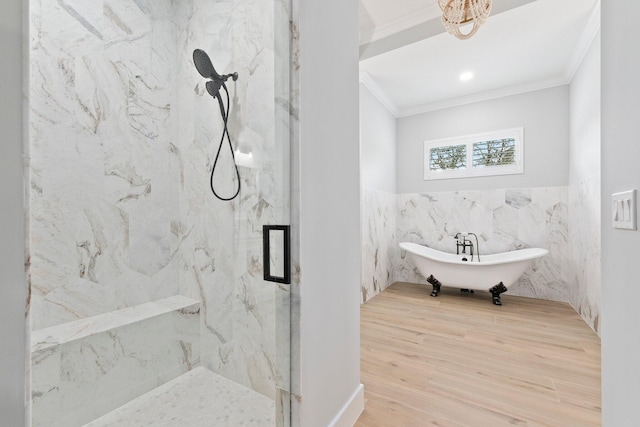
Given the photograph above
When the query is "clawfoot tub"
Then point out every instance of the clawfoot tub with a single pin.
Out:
(495, 273)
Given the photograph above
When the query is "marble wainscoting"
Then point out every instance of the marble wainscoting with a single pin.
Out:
(585, 237)
(379, 244)
(504, 220)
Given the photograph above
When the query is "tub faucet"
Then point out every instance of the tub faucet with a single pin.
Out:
(464, 243)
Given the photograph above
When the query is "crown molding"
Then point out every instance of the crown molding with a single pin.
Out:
(378, 93)
(584, 43)
(484, 96)
(417, 17)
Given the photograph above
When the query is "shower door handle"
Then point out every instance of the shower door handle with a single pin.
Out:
(276, 253)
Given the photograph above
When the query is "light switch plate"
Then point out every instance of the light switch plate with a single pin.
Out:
(624, 210)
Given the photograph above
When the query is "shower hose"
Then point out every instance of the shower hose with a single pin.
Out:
(224, 113)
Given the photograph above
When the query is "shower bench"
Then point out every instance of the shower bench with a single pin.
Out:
(83, 369)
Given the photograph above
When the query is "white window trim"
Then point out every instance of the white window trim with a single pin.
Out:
(469, 140)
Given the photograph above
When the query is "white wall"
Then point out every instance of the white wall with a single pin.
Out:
(12, 285)
(620, 248)
(329, 210)
(584, 158)
(544, 114)
(377, 143)
(378, 206)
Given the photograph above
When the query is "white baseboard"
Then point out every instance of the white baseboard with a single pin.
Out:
(350, 412)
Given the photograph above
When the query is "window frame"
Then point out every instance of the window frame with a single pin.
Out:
(468, 140)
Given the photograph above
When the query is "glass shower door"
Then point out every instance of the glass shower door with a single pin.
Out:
(143, 283)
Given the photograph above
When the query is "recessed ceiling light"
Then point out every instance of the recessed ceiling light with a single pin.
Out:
(466, 76)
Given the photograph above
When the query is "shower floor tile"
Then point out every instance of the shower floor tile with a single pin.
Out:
(198, 398)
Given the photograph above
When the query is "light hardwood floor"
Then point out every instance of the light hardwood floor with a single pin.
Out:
(458, 360)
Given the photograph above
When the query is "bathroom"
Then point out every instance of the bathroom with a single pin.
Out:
(553, 204)
(552, 201)
(326, 357)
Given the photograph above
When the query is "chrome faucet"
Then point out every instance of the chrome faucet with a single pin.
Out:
(464, 243)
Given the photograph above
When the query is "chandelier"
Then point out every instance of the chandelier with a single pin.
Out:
(456, 13)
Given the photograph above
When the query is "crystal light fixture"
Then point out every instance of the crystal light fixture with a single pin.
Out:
(456, 13)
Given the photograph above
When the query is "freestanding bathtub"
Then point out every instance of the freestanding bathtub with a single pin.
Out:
(494, 273)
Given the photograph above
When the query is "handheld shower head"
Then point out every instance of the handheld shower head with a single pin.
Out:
(214, 83)
(205, 67)
(203, 64)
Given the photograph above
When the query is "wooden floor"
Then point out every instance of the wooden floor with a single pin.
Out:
(458, 360)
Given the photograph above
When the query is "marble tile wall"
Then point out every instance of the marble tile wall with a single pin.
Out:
(379, 244)
(584, 235)
(123, 136)
(565, 220)
(221, 252)
(503, 220)
(104, 172)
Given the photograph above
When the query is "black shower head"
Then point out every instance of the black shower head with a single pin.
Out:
(205, 67)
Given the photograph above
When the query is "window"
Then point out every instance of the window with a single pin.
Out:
(491, 153)
(448, 157)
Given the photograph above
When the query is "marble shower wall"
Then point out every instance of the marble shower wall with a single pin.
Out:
(104, 171)
(503, 220)
(379, 244)
(221, 246)
(123, 136)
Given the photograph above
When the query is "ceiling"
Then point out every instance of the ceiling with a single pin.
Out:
(534, 46)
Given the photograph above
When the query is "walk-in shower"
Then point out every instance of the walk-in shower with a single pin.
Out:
(148, 299)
